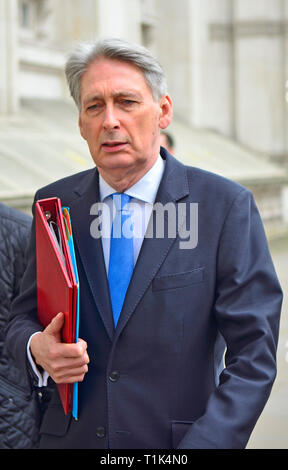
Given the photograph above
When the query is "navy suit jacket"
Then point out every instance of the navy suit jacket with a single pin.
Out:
(157, 381)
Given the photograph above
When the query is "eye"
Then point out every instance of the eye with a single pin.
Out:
(94, 107)
(128, 102)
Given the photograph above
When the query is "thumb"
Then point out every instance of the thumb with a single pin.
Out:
(56, 325)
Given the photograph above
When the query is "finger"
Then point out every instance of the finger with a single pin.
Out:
(69, 350)
(71, 375)
(82, 344)
(70, 363)
(55, 325)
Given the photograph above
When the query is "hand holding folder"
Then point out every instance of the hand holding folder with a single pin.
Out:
(57, 280)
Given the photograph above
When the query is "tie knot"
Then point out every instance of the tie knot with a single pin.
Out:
(120, 200)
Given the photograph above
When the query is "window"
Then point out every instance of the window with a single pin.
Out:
(147, 35)
(26, 14)
(34, 17)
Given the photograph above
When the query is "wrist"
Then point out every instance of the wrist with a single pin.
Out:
(34, 344)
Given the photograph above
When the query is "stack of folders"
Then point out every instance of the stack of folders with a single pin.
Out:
(57, 280)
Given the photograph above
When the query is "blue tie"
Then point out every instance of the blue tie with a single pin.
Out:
(121, 261)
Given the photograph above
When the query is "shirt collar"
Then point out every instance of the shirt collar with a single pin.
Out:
(145, 189)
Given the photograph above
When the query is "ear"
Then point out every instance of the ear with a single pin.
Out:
(81, 127)
(166, 113)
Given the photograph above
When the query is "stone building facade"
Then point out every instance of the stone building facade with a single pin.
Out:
(225, 61)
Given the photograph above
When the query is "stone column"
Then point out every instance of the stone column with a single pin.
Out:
(212, 65)
(196, 49)
(285, 53)
(8, 56)
(174, 53)
(259, 75)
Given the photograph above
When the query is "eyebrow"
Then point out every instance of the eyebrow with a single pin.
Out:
(126, 93)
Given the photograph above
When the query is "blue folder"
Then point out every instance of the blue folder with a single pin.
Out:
(68, 227)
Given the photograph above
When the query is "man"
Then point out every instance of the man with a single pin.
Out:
(149, 359)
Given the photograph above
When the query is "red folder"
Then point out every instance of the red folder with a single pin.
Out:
(56, 283)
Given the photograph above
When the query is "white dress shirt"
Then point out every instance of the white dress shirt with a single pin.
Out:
(143, 194)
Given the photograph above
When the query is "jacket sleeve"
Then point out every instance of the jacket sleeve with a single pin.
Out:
(23, 316)
(247, 310)
(20, 242)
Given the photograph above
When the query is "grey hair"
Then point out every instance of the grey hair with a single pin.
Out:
(87, 52)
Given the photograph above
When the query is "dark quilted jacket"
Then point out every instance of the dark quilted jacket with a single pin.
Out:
(19, 401)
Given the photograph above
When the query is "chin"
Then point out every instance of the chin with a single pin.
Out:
(117, 161)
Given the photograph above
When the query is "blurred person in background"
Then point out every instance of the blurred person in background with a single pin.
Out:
(20, 402)
(167, 141)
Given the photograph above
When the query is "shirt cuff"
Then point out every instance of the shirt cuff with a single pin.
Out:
(42, 378)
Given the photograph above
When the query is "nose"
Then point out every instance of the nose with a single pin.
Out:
(110, 118)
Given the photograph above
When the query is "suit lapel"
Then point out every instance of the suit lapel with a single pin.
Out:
(173, 187)
(90, 249)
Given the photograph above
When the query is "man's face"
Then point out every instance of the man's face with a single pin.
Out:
(120, 120)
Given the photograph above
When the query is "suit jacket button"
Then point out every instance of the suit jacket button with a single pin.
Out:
(100, 432)
(114, 376)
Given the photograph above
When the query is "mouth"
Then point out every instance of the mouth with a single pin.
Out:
(113, 146)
